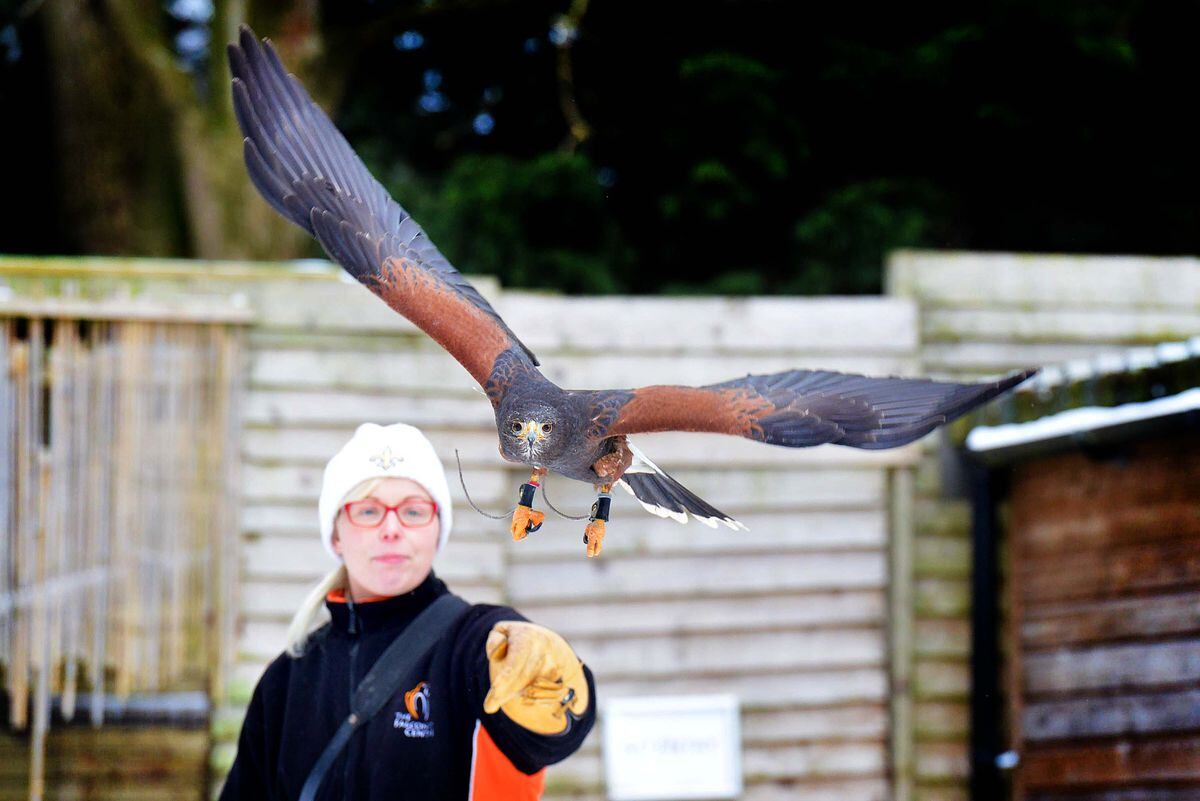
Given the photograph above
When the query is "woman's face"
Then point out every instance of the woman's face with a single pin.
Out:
(391, 558)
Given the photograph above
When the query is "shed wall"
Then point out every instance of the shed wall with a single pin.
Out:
(983, 314)
(1105, 622)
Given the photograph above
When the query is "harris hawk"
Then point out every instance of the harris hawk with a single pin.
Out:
(303, 167)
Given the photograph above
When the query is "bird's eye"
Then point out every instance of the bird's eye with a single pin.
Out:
(515, 427)
(547, 428)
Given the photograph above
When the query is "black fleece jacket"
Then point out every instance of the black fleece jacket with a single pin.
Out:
(299, 703)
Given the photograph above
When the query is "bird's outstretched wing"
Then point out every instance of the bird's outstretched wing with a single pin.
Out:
(797, 408)
(307, 171)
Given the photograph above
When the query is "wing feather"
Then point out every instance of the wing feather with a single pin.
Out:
(662, 495)
(799, 408)
(304, 168)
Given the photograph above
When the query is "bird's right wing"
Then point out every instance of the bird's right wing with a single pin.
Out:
(306, 170)
(797, 408)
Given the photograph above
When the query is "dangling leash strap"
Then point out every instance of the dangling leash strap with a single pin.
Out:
(386, 677)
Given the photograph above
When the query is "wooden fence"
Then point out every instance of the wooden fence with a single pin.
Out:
(115, 438)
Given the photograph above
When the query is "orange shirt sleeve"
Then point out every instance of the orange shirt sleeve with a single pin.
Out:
(494, 778)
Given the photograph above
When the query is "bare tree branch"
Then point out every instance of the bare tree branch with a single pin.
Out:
(567, 31)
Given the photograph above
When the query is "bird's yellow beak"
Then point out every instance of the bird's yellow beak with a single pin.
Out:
(531, 432)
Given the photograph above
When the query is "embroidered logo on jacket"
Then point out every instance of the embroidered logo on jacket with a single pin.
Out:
(415, 719)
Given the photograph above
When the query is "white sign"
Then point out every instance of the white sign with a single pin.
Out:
(672, 747)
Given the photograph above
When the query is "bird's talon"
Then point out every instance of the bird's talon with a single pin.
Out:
(525, 521)
(593, 535)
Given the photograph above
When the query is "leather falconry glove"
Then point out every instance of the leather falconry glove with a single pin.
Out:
(536, 677)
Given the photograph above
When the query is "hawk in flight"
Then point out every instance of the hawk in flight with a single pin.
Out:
(307, 171)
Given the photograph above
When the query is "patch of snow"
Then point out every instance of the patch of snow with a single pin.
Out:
(1077, 421)
(1132, 359)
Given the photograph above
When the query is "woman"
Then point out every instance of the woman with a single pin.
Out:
(492, 703)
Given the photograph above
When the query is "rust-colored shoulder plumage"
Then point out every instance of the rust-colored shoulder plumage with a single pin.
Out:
(307, 171)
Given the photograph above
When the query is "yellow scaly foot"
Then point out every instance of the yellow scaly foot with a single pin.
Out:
(593, 535)
(525, 520)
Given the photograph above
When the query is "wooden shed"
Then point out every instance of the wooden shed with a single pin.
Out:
(1087, 522)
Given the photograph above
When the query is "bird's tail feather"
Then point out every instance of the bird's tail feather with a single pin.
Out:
(664, 496)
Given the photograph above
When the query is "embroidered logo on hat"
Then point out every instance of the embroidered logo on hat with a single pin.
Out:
(384, 460)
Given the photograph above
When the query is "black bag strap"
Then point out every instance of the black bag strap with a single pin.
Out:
(384, 678)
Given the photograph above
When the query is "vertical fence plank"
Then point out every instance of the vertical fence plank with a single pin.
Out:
(42, 624)
(18, 686)
(194, 506)
(78, 562)
(33, 501)
(175, 534)
(7, 541)
(900, 615)
(225, 411)
(126, 544)
(135, 568)
(150, 504)
(56, 488)
(209, 456)
(103, 417)
(43, 532)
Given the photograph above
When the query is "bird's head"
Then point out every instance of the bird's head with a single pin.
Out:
(534, 433)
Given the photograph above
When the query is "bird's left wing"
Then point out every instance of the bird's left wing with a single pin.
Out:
(306, 170)
(797, 408)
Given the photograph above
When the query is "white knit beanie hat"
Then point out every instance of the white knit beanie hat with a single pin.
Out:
(375, 451)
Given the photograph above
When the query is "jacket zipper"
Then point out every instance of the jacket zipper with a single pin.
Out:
(353, 630)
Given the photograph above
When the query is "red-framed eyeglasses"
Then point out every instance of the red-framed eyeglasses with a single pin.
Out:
(411, 512)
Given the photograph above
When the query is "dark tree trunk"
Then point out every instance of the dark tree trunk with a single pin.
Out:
(149, 165)
(117, 173)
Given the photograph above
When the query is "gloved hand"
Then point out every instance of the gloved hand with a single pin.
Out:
(536, 677)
